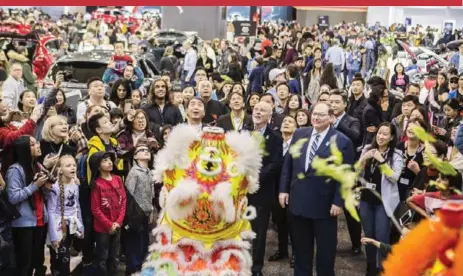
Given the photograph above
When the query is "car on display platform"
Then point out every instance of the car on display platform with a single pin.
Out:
(79, 67)
(426, 58)
(173, 37)
(42, 48)
(111, 15)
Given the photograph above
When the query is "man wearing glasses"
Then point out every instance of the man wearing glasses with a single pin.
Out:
(313, 202)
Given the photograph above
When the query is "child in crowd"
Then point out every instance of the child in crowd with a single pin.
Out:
(120, 55)
(108, 202)
(65, 218)
(139, 184)
(427, 203)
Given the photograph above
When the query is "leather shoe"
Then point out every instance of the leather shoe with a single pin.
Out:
(277, 256)
(257, 274)
(356, 251)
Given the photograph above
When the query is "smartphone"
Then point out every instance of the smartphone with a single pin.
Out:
(406, 218)
(128, 105)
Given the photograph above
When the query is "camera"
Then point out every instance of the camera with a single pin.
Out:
(121, 154)
(67, 76)
(50, 176)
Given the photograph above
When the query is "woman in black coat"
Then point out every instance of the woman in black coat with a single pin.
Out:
(205, 62)
(234, 68)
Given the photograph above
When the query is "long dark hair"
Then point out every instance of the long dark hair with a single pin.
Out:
(113, 96)
(23, 156)
(287, 110)
(328, 77)
(392, 144)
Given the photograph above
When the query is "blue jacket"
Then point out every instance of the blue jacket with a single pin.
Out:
(312, 196)
(455, 60)
(256, 79)
(459, 139)
(354, 64)
(453, 94)
(18, 194)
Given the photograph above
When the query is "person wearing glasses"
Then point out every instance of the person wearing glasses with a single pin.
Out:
(314, 203)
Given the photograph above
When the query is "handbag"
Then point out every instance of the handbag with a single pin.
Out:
(8, 210)
(134, 214)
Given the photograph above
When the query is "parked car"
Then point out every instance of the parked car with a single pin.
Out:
(79, 67)
(426, 58)
(42, 48)
(171, 37)
(111, 15)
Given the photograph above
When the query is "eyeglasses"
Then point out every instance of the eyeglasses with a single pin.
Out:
(142, 150)
(319, 114)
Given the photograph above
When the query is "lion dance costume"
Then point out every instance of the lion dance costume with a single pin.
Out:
(433, 248)
(204, 227)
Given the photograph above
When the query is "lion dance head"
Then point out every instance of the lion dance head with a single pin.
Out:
(433, 248)
(204, 226)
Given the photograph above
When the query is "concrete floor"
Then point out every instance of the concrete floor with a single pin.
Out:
(346, 264)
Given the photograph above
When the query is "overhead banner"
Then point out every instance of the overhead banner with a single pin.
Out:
(245, 28)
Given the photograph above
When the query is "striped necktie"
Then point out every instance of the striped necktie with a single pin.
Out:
(313, 150)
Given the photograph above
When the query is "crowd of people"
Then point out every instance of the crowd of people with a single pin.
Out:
(77, 180)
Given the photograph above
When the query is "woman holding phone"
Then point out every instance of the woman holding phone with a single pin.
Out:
(137, 129)
(24, 189)
(380, 196)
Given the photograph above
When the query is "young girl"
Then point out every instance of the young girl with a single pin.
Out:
(65, 218)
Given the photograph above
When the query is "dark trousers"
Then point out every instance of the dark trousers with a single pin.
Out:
(259, 226)
(307, 231)
(29, 245)
(88, 244)
(107, 249)
(355, 229)
(136, 248)
(60, 263)
(376, 225)
(7, 257)
(280, 218)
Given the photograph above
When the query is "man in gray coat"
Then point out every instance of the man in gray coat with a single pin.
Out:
(13, 86)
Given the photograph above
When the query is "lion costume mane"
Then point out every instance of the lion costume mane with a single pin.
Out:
(204, 226)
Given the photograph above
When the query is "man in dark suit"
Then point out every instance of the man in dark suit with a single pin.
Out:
(271, 167)
(314, 203)
(276, 118)
(238, 119)
(280, 215)
(214, 109)
(350, 127)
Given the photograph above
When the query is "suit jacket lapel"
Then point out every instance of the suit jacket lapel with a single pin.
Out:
(325, 143)
(304, 149)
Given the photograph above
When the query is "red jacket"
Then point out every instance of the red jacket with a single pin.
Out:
(9, 133)
(108, 201)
